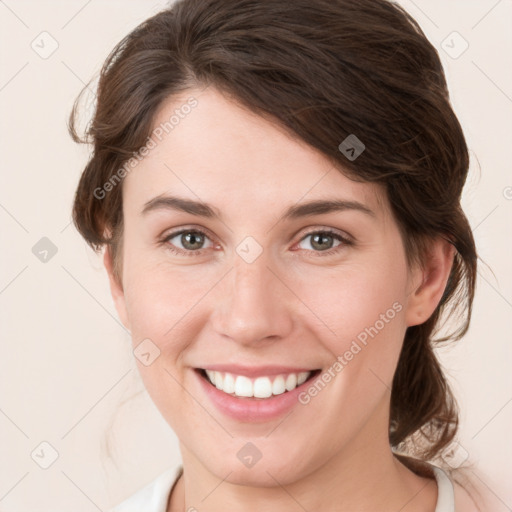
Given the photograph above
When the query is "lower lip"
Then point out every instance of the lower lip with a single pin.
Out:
(253, 410)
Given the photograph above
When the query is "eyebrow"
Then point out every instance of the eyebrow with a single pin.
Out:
(200, 209)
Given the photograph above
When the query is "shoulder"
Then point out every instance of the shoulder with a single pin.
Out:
(470, 493)
(463, 501)
(460, 489)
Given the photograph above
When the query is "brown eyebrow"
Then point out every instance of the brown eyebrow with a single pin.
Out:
(320, 206)
(200, 209)
(181, 204)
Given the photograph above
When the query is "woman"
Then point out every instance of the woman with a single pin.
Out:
(277, 187)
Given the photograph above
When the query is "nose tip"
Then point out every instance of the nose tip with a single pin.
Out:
(252, 304)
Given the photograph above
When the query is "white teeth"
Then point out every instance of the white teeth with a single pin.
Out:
(278, 385)
(229, 383)
(243, 386)
(291, 381)
(218, 380)
(261, 387)
(302, 378)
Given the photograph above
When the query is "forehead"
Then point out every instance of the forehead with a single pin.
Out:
(208, 147)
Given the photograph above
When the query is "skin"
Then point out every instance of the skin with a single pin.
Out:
(291, 306)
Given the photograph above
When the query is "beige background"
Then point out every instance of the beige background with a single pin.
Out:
(66, 363)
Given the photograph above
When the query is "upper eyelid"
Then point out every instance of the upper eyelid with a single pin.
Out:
(187, 229)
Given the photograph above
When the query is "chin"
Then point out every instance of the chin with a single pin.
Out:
(264, 473)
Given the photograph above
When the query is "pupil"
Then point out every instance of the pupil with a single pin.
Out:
(191, 239)
(323, 238)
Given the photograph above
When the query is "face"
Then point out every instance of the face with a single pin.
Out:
(258, 288)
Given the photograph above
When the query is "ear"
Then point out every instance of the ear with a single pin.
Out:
(116, 289)
(429, 281)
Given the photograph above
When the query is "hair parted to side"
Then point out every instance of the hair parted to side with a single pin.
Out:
(322, 69)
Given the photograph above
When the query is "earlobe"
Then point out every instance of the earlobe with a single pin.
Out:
(431, 282)
(116, 288)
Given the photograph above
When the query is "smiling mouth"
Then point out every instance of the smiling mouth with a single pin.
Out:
(263, 387)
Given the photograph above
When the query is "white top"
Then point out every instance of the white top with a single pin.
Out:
(155, 495)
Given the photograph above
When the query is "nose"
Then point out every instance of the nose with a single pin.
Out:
(253, 304)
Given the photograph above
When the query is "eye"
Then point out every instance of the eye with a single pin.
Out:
(186, 241)
(323, 241)
(191, 242)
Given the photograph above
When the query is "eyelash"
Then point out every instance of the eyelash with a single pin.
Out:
(346, 242)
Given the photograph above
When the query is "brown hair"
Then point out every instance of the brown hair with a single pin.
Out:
(322, 69)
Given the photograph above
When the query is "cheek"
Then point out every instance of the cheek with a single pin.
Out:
(349, 301)
(161, 307)
(364, 311)
(160, 300)
(362, 325)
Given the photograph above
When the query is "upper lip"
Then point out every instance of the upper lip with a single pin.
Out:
(256, 371)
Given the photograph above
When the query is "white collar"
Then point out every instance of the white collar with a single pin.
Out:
(445, 494)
